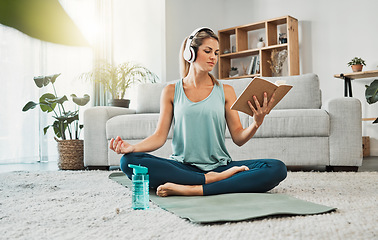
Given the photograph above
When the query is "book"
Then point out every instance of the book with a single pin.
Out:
(257, 68)
(251, 65)
(257, 87)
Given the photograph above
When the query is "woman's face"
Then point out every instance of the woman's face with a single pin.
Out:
(207, 55)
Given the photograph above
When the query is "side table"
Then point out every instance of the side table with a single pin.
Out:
(352, 76)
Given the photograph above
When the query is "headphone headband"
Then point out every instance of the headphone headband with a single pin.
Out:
(189, 52)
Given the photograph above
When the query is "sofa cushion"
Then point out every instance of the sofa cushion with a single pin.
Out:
(305, 93)
(294, 123)
(148, 97)
(133, 126)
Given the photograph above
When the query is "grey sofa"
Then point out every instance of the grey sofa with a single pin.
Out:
(299, 131)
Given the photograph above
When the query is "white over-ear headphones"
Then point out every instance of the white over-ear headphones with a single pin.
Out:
(189, 51)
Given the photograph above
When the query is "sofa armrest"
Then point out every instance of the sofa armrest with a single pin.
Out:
(95, 142)
(345, 132)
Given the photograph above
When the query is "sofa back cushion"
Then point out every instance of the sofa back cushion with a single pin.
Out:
(148, 97)
(305, 93)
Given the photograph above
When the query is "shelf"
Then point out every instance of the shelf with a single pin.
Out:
(278, 46)
(247, 35)
(251, 52)
(252, 26)
(244, 76)
(240, 54)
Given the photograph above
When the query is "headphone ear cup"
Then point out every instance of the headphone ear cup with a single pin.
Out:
(187, 54)
(192, 54)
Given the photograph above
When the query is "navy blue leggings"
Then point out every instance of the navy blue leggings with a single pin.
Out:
(262, 176)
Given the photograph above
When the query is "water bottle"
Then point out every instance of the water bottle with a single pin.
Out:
(140, 189)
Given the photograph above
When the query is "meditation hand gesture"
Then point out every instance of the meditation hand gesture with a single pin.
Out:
(121, 147)
(260, 112)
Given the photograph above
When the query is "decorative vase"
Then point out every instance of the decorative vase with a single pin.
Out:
(260, 44)
(276, 74)
(233, 73)
(71, 154)
(283, 40)
(119, 103)
(357, 68)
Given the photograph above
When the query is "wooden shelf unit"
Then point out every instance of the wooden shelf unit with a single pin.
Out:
(271, 41)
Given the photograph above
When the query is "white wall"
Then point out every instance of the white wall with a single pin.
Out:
(330, 34)
(182, 17)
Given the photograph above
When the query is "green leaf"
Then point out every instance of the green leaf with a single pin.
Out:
(71, 119)
(57, 129)
(44, 104)
(29, 105)
(59, 100)
(80, 101)
(371, 92)
(45, 129)
(41, 81)
(68, 116)
(53, 77)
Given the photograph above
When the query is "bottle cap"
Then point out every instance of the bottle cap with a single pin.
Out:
(138, 169)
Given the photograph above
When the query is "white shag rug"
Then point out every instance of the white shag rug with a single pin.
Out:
(88, 205)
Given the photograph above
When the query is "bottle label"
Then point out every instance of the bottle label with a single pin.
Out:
(140, 194)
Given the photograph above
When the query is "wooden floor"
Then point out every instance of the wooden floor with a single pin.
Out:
(369, 164)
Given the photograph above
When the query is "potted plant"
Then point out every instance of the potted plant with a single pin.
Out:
(261, 43)
(356, 64)
(66, 124)
(371, 94)
(234, 71)
(116, 79)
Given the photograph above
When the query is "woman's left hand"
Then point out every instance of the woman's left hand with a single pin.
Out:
(260, 112)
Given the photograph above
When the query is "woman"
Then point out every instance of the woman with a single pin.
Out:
(200, 107)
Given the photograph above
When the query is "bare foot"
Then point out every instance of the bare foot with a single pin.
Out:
(169, 189)
(215, 176)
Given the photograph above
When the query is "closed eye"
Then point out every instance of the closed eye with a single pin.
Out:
(209, 51)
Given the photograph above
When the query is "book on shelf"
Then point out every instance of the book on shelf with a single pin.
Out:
(257, 87)
(251, 65)
(257, 66)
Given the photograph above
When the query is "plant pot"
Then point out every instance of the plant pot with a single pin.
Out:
(357, 68)
(71, 154)
(119, 103)
(260, 44)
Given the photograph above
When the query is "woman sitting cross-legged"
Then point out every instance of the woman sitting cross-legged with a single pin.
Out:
(200, 107)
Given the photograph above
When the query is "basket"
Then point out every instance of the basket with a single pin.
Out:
(71, 154)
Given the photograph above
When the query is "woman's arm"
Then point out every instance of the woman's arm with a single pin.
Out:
(239, 134)
(159, 137)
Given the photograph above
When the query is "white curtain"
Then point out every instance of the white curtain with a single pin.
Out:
(22, 58)
(119, 30)
(139, 36)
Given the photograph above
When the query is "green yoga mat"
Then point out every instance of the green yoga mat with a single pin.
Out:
(229, 207)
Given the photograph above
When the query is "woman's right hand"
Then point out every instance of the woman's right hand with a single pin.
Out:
(121, 147)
